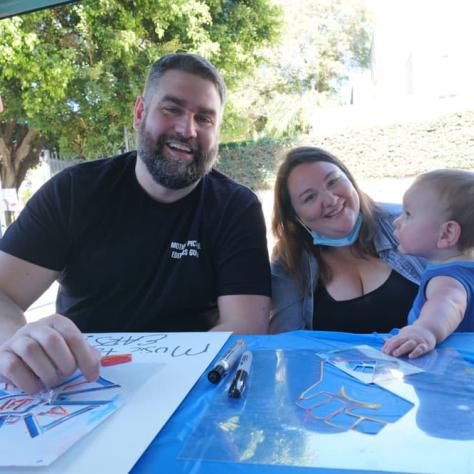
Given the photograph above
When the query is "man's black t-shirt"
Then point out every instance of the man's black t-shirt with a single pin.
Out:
(130, 263)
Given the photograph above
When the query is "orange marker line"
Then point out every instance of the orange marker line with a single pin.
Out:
(116, 359)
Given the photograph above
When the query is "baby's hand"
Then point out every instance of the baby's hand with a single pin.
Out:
(414, 340)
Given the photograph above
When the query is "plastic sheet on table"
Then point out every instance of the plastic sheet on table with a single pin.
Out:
(292, 401)
(369, 365)
(446, 394)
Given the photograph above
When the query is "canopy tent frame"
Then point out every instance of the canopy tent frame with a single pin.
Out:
(9, 8)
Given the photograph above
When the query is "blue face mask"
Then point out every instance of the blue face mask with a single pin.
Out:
(349, 239)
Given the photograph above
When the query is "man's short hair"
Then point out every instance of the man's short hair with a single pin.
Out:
(185, 62)
(455, 189)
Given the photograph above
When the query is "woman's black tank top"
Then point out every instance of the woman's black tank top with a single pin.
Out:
(380, 310)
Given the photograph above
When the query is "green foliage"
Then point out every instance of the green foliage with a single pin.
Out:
(252, 163)
(396, 150)
(73, 72)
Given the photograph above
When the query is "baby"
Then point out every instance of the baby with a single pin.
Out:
(438, 223)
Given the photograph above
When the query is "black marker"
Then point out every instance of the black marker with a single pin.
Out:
(239, 383)
(227, 361)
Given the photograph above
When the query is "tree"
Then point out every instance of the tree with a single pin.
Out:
(70, 74)
(321, 41)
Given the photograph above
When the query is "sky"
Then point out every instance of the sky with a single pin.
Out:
(423, 47)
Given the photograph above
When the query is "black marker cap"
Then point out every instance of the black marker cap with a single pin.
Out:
(234, 393)
(215, 375)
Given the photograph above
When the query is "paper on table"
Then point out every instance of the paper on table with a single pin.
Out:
(171, 363)
(367, 364)
(35, 431)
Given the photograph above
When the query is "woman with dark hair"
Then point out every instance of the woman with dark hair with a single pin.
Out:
(335, 265)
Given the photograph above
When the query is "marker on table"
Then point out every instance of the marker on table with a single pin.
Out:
(227, 361)
(115, 359)
(239, 383)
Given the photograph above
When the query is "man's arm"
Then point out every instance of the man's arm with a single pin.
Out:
(243, 314)
(21, 283)
(37, 355)
(443, 311)
(12, 317)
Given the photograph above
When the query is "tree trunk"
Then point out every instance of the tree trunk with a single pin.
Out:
(20, 148)
(9, 217)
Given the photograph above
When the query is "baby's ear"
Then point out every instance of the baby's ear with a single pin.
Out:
(449, 234)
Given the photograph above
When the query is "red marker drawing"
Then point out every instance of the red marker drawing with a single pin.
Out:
(115, 359)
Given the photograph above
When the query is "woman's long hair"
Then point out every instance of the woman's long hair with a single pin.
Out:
(292, 238)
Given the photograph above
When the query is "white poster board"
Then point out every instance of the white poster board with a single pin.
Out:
(165, 367)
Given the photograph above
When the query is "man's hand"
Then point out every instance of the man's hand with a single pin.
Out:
(414, 340)
(41, 354)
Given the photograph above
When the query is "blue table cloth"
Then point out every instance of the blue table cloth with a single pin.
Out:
(443, 415)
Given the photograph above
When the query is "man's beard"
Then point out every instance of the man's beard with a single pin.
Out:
(172, 173)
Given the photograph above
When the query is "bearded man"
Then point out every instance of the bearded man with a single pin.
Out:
(154, 240)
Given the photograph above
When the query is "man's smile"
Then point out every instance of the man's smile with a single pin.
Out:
(174, 145)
